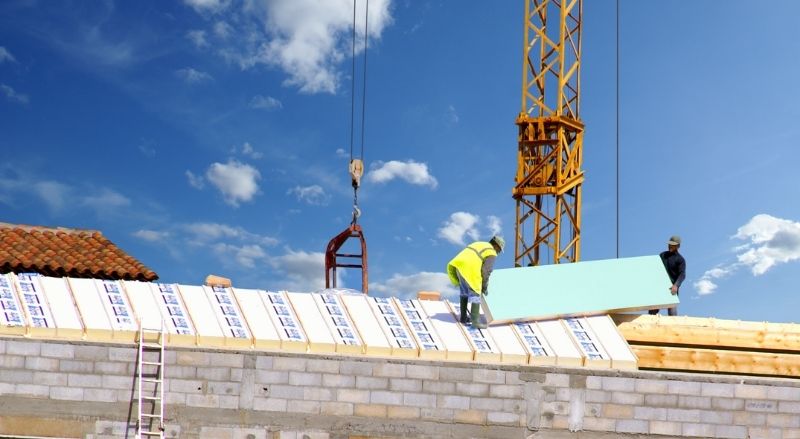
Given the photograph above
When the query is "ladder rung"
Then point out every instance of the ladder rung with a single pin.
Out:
(151, 380)
(151, 433)
(146, 415)
(152, 363)
(152, 398)
(151, 345)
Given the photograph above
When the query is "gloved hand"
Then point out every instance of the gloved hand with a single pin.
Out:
(486, 292)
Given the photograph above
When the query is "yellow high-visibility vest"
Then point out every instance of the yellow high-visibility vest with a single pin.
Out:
(469, 263)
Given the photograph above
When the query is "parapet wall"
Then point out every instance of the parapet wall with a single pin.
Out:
(80, 389)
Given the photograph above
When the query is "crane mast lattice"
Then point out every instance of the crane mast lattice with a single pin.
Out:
(550, 142)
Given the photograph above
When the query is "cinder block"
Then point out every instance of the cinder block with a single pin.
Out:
(632, 426)
(12, 362)
(597, 396)
(214, 373)
(183, 372)
(476, 417)
(727, 404)
(783, 420)
(222, 359)
(116, 368)
(419, 400)
(616, 411)
(81, 380)
(720, 390)
(791, 433)
(100, 395)
(455, 374)
(357, 368)
(25, 348)
(334, 380)
(760, 406)
(650, 413)
(318, 394)
(352, 396)
(371, 383)
(694, 402)
(192, 358)
(237, 373)
(683, 388)
(784, 393)
(385, 397)
(54, 350)
(6, 389)
(698, 430)
(223, 388)
(174, 398)
(564, 393)
(789, 407)
(661, 400)
(66, 393)
(422, 372)
(286, 391)
(594, 382)
(750, 418)
(270, 404)
(445, 387)
(665, 428)
(305, 379)
(627, 398)
(764, 433)
(617, 384)
(512, 378)
(472, 389)
(453, 402)
(651, 386)
(400, 412)
(514, 406)
(436, 414)
(502, 418)
(716, 417)
(562, 380)
(485, 404)
(405, 385)
(681, 415)
(228, 402)
(747, 391)
(599, 424)
(264, 362)
(185, 386)
(32, 390)
(489, 376)
(505, 391)
(592, 410)
(41, 363)
(208, 401)
(117, 382)
(322, 366)
(370, 410)
(336, 408)
(389, 370)
(272, 377)
(730, 431)
(50, 378)
(92, 353)
(76, 366)
(123, 354)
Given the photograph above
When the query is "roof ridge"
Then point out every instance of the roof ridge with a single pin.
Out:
(33, 228)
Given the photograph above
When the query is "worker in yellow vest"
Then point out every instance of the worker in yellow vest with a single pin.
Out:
(470, 270)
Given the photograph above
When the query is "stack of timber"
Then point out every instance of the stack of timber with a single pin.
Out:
(712, 345)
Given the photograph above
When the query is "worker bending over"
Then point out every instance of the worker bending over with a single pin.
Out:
(470, 270)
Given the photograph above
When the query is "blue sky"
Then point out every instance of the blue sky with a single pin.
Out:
(209, 136)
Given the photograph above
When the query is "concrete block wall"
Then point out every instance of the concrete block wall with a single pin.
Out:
(71, 389)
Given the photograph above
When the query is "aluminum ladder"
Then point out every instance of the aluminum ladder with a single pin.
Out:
(150, 382)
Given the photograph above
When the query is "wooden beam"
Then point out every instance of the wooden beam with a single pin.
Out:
(714, 360)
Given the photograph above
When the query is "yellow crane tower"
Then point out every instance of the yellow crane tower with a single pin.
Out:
(550, 152)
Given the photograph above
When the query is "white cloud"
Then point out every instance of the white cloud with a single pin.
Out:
(106, 199)
(308, 39)
(459, 225)
(195, 181)
(265, 103)
(13, 95)
(451, 116)
(248, 150)
(705, 286)
(198, 37)
(204, 233)
(222, 29)
(206, 6)
(238, 182)
(494, 225)
(303, 271)
(314, 194)
(245, 256)
(407, 286)
(151, 235)
(410, 171)
(340, 152)
(192, 76)
(54, 194)
(5, 55)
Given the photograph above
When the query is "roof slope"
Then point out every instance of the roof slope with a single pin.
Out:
(66, 252)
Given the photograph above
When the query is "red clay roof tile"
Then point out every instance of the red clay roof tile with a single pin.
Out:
(66, 252)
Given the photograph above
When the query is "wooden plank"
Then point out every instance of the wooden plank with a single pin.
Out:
(716, 360)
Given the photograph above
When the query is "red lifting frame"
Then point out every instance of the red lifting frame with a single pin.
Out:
(331, 255)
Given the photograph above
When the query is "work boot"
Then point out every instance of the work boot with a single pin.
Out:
(463, 308)
(475, 314)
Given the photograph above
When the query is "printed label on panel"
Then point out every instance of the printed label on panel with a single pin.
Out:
(117, 305)
(397, 330)
(477, 337)
(231, 318)
(287, 321)
(10, 309)
(333, 310)
(590, 347)
(428, 340)
(32, 294)
(171, 306)
(532, 339)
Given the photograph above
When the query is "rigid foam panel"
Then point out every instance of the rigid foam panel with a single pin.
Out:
(340, 323)
(206, 325)
(394, 327)
(181, 330)
(622, 357)
(91, 309)
(319, 337)
(449, 330)
(230, 317)
(535, 344)
(508, 343)
(37, 309)
(265, 335)
(12, 317)
(480, 340)
(373, 337)
(144, 304)
(290, 331)
(63, 306)
(120, 312)
(637, 283)
(588, 342)
(561, 343)
(430, 345)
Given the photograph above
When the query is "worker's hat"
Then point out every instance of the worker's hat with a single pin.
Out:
(674, 240)
(499, 241)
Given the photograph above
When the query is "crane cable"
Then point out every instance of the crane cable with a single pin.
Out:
(617, 127)
(356, 166)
